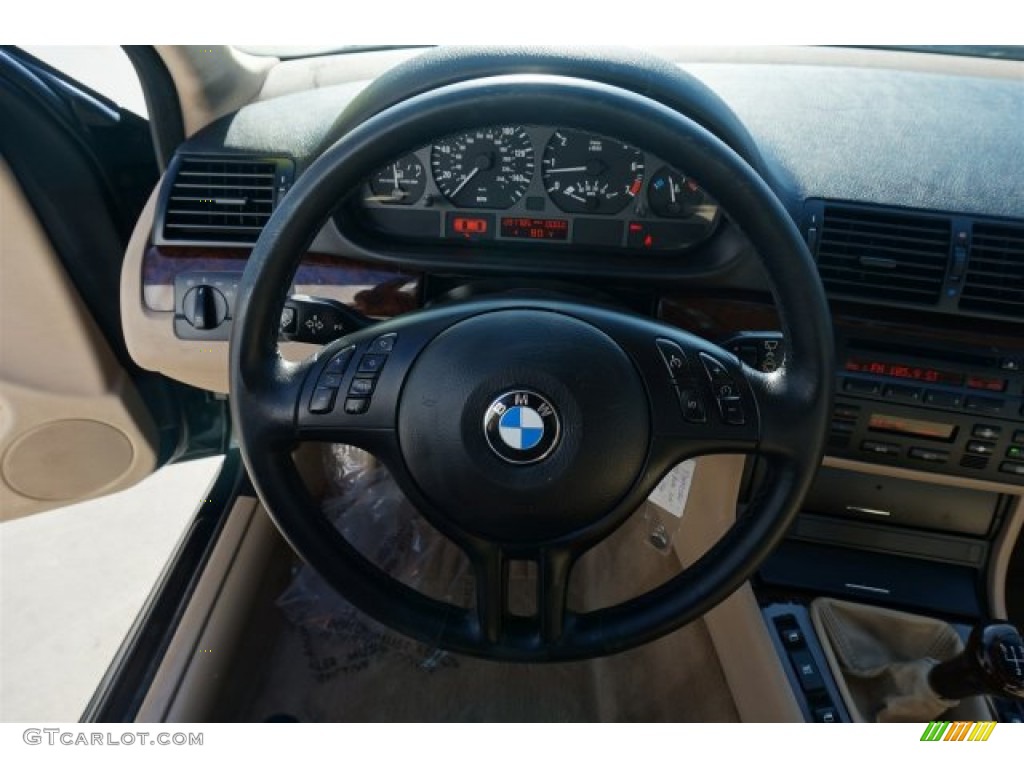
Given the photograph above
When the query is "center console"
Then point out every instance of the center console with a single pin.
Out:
(920, 499)
(949, 409)
(957, 411)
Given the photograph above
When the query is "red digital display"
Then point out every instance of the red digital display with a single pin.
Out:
(462, 227)
(903, 371)
(992, 384)
(465, 225)
(527, 228)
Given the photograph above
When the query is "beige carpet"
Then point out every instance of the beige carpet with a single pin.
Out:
(331, 663)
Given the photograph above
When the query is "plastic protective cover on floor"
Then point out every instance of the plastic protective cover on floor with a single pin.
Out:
(335, 663)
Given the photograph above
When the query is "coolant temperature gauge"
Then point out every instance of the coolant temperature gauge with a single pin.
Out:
(399, 183)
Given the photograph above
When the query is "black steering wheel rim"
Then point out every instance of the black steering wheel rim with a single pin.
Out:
(267, 392)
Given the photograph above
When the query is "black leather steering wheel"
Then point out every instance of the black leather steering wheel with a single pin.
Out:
(529, 428)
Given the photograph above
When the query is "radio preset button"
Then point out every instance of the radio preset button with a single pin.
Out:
(861, 387)
(985, 404)
(979, 448)
(883, 449)
(987, 432)
(1012, 468)
(943, 399)
(929, 454)
(1018, 436)
(846, 412)
(902, 392)
(1015, 452)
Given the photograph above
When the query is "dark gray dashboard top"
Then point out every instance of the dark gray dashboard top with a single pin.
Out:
(889, 137)
(908, 139)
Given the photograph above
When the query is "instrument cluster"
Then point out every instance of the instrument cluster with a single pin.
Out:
(531, 183)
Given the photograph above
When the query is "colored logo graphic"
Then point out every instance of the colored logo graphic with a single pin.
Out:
(521, 427)
(939, 730)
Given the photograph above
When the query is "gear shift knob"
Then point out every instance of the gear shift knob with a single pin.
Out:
(992, 663)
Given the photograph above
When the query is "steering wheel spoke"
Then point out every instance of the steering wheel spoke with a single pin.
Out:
(499, 624)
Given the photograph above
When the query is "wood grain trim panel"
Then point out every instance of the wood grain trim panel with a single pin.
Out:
(721, 318)
(372, 290)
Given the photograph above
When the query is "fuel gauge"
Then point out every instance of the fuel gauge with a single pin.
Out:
(399, 183)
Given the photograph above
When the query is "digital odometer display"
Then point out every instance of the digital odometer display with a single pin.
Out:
(534, 229)
(904, 371)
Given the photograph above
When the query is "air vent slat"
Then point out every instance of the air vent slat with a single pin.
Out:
(880, 221)
(227, 175)
(220, 214)
(246, 187)
(856, 277)
(883, 255)
(998, 242)
(982, 275)
(994, 282)
(221, 199)
(849, 247)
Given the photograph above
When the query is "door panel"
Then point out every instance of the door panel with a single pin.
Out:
(72, 424)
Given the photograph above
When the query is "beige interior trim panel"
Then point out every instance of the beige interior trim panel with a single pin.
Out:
(149, 335)
(754, 671)
(213, 80)
(188, 680)
(72, 425)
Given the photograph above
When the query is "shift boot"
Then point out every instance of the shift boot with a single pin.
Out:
(882, 659)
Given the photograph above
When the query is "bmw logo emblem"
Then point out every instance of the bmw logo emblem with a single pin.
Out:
(521, 427)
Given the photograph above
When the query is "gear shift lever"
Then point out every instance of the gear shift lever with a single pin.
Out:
(992, 663)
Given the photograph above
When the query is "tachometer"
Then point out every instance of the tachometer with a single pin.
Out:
(485, 168)
(586, 173)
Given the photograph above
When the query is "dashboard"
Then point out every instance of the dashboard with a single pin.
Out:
(915, 219)
(516, 185)
(900, 171)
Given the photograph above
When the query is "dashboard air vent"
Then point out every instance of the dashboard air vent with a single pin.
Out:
(994, 283)
(883, 255)
(223, 200)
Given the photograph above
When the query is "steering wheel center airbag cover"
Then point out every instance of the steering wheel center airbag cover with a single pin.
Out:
(591, 385)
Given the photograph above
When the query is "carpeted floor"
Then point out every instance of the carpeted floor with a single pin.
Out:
(331, 663)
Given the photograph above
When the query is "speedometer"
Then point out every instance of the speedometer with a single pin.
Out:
(485, 168)
(585, 173)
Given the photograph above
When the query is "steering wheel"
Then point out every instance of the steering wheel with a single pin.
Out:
(529, 428)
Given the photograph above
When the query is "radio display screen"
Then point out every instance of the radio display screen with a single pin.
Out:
(932, 430)
(925, 374)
